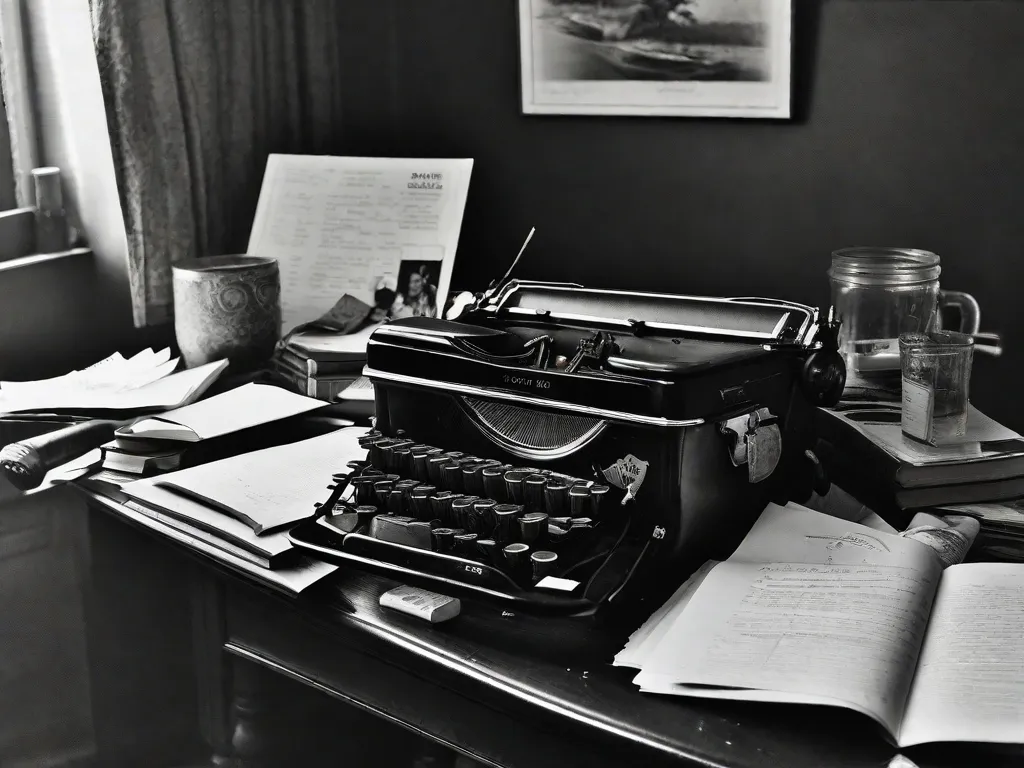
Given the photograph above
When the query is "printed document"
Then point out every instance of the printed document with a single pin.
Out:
(383, 230)
(815, 610)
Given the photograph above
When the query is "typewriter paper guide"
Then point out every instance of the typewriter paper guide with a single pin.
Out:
(340, 225)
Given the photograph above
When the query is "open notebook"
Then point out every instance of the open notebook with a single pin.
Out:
(815, 610)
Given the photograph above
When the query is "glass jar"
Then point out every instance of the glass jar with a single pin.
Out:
(879, 294)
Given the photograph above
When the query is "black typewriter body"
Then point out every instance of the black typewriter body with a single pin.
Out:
(624, 398)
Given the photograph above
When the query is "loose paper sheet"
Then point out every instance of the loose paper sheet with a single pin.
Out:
(231, 411)
(808, 609)
(276, 486)
(341, 225)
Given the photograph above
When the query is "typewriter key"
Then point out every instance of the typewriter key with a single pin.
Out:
(434, 464)
(557, 536)
(401, 460)
(419, 502)
(362, 488)
(441, 507)
(489, 551)
(579, 501)
(533, 493)
(494, 483)
(561, 522)
(487, 520)
(451, 477)
(514, 485)
(472, 478)
(465, 544)
(382, 489)
(544, 563)
(516, 556)
(505, 516)
(396, 501)
(533, 528)
(597, 492)
(444, 539)
(419, 467)
(462, 513)
(556, 497)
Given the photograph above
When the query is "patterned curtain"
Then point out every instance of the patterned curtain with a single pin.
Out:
(198, 93)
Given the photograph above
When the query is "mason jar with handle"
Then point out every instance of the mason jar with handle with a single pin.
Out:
(879, 294)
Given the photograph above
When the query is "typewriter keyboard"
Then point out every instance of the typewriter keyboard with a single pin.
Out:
(467, 519)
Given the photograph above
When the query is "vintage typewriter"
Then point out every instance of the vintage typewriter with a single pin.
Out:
(555, 448)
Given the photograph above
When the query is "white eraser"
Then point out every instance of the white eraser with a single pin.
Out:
(421, 603)
(553, 582)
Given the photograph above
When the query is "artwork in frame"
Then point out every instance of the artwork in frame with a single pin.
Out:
(685, 58)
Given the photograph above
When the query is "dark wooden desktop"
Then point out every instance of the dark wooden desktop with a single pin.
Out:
(171, 631)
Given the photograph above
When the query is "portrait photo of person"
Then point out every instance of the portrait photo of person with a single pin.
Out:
(417, 289)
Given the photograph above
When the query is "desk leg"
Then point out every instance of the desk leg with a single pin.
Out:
(261, 735)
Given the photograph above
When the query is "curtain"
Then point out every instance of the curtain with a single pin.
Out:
(198, 93)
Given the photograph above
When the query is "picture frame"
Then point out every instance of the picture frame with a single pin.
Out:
(682, 58)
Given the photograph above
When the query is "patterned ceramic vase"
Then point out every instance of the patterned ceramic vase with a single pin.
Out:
(227, 306)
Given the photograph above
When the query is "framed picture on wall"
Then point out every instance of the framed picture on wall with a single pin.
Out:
(687, 58)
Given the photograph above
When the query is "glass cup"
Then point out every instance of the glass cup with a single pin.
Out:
(936, 369)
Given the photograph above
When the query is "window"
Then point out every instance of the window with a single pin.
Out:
(18, 143)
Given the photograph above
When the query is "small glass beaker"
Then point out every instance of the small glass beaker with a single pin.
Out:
(936, 369)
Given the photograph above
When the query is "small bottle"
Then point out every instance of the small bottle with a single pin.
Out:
(52, 234)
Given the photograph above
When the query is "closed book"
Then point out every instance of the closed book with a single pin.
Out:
(870, 437)
(312, 366)
(319, 387)
(140, 463)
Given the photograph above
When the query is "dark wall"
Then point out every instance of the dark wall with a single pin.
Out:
(909, 131)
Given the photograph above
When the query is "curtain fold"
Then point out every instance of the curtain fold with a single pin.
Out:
(198, 93)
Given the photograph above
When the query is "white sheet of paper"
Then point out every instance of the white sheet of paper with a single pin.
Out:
(969, 684)
(340, 225)
(230, 411)
(275, 486)
(788, 614)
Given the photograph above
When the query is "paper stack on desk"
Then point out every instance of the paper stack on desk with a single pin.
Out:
(162, 442)
(145, 382)
(241, 507)
(815, 610)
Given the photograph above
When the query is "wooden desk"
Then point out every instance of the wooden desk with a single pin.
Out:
(487, 685)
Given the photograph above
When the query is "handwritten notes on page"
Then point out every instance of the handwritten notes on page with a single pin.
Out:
(969, 684)
(810, 609)
(355, 225)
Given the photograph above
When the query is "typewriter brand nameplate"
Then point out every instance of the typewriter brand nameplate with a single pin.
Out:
(628, 474)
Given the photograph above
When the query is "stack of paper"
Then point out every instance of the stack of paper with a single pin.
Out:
(144, 382)
(815, 610)
(240, 508)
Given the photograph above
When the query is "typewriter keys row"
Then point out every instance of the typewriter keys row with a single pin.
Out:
(515, 519)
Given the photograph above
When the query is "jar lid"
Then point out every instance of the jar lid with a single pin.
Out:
(884, 266)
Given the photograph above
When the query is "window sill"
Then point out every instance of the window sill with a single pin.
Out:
(28, 262)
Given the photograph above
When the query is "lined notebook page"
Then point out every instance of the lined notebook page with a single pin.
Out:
(275, 487)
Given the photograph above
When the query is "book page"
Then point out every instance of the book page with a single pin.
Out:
(969, 684)
(351, 225)
(275, 486)
(809, 608)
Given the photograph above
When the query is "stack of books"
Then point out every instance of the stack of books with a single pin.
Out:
(1002, 529)
(322, 365)
(864, 452)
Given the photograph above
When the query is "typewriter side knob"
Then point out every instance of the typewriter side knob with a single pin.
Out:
(823, 377)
